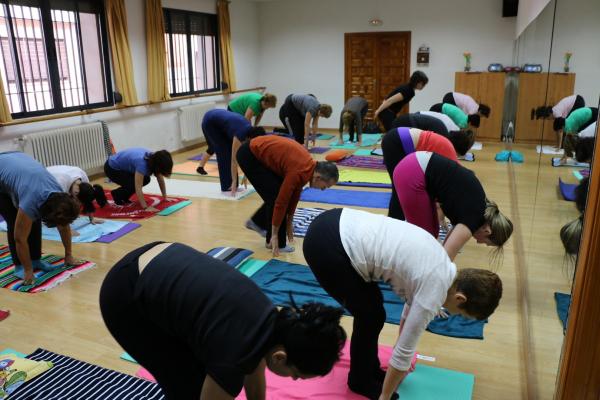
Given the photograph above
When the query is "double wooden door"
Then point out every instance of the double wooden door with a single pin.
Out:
(375, 64)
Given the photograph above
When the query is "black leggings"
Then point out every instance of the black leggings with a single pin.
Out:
(326, 257)
(126, 181)
(437, 107)
(421, 121)
(579, 103)
(9, 213)
(387, 118)
(296, 120)
(449, 98)
(166, 357)
(393, 153)
(267, 184)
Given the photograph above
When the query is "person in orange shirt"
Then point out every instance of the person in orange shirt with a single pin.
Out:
(278, 168)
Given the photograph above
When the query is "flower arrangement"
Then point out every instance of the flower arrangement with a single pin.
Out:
(568, 56)
(467, 56)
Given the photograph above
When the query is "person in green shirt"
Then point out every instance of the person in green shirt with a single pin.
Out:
(577, 121)
(249, 105)
(457, 115)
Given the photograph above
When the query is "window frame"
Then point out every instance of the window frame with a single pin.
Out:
(170, 54)
(54, 78)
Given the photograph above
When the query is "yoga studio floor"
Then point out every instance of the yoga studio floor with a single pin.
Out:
(67, 319)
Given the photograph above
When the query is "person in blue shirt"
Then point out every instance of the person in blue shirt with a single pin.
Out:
(132, 168)
(225, 131)
(29, 195)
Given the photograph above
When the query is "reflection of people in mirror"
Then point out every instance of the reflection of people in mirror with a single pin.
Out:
(458, 116)
(576, 122)
(570, 233)
(562, 109)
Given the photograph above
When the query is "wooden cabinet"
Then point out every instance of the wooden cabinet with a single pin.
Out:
(486, 88)
(536, 90)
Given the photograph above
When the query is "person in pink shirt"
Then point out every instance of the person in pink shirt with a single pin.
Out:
(467, 104)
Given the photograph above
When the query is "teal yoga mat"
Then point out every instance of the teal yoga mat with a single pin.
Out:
(127, 357)
(363, 152)
(367, 140)
(251, 266)
(11, 351)
(431, 383)
(175, 207)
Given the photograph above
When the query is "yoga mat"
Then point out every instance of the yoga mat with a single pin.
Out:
(356, 198)
(174, 208)
(209, 190)
(133, 209)
(11, 351)
(189, 168)
(73, 379)
(567, 190)
(569, 163)
(377, 152)
(577, 175)
(477, 146)
(362, 152)
(563, 302)
(549, 150)
(251, 266)
(303, 217)
(367, 140)
(424, 383)
(319, 150)
(362, 162)
(231, 255)
(87, 232)
(277, 279)
(582, 173)
(43, 281)
(111, 237)
(125, 356)
(356, 175)
(198, 157)
(4, 315)
(144, 374)
(348, 146)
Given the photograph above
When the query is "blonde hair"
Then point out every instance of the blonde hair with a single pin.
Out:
(325, 110)
(270, 100)
(499, 224)
(570, 236)
(347, 119)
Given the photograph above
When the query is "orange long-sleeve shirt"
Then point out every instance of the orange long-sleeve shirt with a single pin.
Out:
(290, 160)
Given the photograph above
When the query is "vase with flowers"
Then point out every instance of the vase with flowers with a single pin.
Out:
(568, 56)
(467, 56)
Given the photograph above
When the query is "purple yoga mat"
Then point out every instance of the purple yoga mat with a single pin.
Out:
(319, 150)
(362, 162)
(111, 237)
(196, 158)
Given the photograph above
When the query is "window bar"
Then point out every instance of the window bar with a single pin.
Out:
(188, 38)
(204, 69)
(61, 72)
(171, 56)
(52, 59)
(100, 21)
(75, 47)
(16, 59)
(77, 78)
(182, 63)
(86, 99)
(68, 80)
(27, 48)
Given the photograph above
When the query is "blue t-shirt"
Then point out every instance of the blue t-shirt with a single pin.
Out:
(131, 160)
(228, 123)
(27, 182)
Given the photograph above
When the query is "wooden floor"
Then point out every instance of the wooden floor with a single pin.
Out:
(67, 319)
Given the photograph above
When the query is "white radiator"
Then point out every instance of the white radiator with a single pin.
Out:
(81, 146)
(190, 120)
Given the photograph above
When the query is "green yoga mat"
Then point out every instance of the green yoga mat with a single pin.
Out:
(363, 152)
(324, 136)
(354, 175)
(430, 383)
(174, 207)
(251, 266)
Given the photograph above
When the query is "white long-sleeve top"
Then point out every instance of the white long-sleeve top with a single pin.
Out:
(408, 258)
(450, 125)
(66, 175)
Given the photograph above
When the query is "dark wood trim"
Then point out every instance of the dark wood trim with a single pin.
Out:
(579, 372)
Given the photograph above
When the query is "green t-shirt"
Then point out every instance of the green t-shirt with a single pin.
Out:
(577, 119)
(240, 104)
(456, 114)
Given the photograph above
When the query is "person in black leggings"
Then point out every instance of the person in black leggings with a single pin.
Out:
(424, 122)
(398, 98)
(204, 330)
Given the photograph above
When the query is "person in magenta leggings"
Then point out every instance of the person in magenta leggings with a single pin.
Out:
(398, 142)
(422, 178)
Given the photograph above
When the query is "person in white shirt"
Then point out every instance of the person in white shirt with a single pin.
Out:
(350, 251)
(450, 125)
(74, 181)
(467, 104)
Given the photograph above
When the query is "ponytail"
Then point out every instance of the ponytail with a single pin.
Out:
(570, 236)
(87, 194)
(499, 224)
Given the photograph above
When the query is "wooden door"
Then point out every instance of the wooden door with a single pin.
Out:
(532, 94)
(375, 64)
(467, 83)
(491, 93)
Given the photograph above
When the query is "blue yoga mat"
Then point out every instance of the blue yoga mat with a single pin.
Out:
(347, 197)
(277, 279)
(563, 302)
(567, 190)
(366, 184)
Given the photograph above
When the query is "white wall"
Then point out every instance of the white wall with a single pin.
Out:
(302, 43)
(157, 126)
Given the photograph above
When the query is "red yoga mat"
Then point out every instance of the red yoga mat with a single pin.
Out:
(133, 210)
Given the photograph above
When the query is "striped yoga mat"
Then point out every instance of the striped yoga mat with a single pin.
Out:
(231, 255)
(362, 162)
(303, 217)
(43, 280)
(73, 379)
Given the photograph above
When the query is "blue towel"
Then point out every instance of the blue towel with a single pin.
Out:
(278, 278)
(567, 190)
(347, 197)
(563, 302)
(231, 255)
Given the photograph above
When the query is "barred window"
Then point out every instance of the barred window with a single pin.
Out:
(192, 52)
(54, 56)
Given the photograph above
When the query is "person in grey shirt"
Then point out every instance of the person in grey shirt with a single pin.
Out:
(351, 118)
(297, 114)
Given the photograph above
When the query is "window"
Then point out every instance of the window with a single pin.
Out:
(192, 52)
(54, 56)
